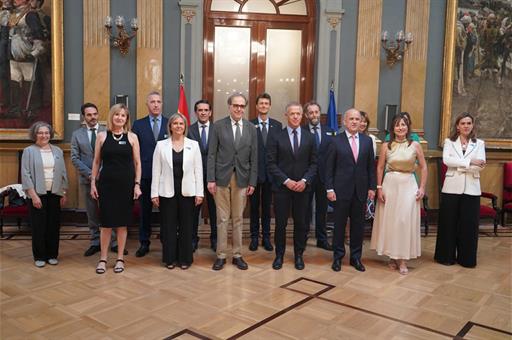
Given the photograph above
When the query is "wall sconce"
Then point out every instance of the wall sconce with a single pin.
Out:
(122, 41)
(395, 49)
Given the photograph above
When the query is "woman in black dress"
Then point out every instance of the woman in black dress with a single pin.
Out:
(176, 186)
(117, 152)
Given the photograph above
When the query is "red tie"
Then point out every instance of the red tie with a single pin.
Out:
(353, 145)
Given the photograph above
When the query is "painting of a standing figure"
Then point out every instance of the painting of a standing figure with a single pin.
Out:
(25, 59)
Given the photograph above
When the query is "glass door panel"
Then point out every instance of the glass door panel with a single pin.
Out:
(231, 66)
(282, 71)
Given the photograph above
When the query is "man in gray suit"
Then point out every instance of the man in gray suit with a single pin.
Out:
(232, 174)
(83, 141)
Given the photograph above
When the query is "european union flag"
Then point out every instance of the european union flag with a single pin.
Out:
(332, 117)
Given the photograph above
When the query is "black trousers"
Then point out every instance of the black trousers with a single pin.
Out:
(343, 209)
(320, 195)
(45, 227)
(146, 207)
(212, 212)
(457, 232)
(176, 229)
(284, 200)
(262, 196)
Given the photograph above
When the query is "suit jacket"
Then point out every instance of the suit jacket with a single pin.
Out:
(142, 128)
(326, 137)
(223, 157)
(461, 177)
(82, 154)
(32, 172)
(273, 128)
(343, 174)
(162, 181)
(283, 163)
(195, 134)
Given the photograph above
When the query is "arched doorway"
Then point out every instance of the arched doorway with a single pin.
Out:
(252, 46)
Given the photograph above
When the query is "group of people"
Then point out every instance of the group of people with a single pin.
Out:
(175, 167)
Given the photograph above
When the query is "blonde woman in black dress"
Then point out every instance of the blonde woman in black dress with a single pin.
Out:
(117, 153)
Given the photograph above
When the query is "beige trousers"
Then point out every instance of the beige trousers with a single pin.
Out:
(230, 203)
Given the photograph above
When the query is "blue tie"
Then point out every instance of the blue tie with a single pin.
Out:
(317, 136)
(295, 142)
(203, 136)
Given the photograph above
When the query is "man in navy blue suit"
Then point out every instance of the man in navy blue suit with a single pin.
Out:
(350, 180)
(149, 130)
(323, 136)
(266, 127)
(200, 132)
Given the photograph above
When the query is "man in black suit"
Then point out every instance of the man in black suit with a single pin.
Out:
(149, 130)
(263, 192)
(291, 157)
(323, 135)
(199, 131)
(350, 180)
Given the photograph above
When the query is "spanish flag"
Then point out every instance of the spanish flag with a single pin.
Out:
(182, 103)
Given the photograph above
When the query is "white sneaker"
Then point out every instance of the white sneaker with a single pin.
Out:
(53, 262)
(40, 264)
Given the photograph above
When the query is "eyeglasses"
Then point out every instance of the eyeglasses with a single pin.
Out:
(238, 106)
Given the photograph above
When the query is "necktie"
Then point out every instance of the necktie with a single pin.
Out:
(156, 130)
(238, 134)
(203, 136)
(264, 132)
(353, 145)
(295, 142)
(317, 136)
(93, 138)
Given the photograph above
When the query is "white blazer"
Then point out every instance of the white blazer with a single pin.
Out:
(162, 183)
(461, 177)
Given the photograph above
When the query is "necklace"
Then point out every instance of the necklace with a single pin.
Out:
(117, 139)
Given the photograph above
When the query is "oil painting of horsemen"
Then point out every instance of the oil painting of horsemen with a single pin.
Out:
(25, 63)
(482, 67)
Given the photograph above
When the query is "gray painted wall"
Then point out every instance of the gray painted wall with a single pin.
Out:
(434, 82)
(73, 64)
(171, 56)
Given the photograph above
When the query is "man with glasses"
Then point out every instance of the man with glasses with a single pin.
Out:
(232, 174)
(200, 132)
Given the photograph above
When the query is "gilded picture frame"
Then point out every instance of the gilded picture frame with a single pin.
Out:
(57, 78)
(448, 112)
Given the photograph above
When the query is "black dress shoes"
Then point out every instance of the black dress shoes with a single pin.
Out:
(357, 265)
(142, 251)
(324, 245)
(336, 265)
(299, 262)
(92, 250)
(114, 249)
(240, 263)
(253, 246)
(278, 263)
(267, 245)
(219, 264)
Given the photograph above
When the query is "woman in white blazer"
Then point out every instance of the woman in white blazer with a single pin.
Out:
(176, 187)
(459, 212)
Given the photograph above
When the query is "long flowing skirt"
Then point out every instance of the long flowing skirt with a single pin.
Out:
(396, 228)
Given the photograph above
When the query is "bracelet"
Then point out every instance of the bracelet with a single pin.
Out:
(137, 183)
(379, 186)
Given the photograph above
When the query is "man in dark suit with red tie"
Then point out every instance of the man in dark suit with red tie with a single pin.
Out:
(291, 157)
(149, 130)
(200, 131)
(266, 127)
(350, 180)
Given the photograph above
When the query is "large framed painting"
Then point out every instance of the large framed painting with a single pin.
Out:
(477, 75)
(31, 66)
